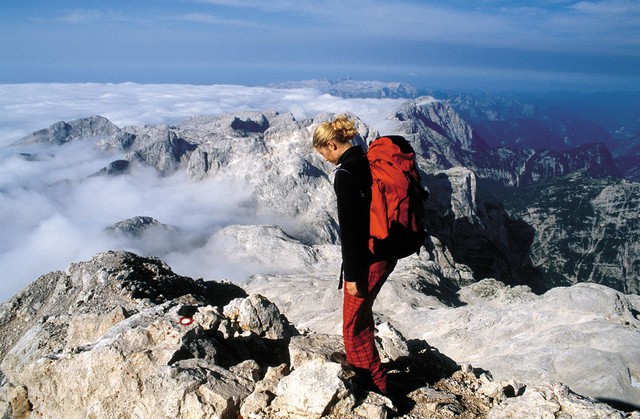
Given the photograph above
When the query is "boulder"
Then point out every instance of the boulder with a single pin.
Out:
(312, 390)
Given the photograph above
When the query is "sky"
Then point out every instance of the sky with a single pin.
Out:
(489, 45)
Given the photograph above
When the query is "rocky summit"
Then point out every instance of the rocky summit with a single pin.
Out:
(123, 336)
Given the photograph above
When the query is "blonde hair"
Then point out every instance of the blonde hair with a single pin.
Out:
(340, 130)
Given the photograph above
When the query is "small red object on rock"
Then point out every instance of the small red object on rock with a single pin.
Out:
(186, 321)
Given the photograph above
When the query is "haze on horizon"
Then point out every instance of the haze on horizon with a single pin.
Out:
(585, 46)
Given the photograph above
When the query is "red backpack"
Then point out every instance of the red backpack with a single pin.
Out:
(397, 199)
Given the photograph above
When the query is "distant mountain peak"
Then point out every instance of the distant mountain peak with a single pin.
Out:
(349, 88)
(62, 132)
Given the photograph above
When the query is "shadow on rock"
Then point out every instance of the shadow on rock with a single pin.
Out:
(422, 367)
(620, 405)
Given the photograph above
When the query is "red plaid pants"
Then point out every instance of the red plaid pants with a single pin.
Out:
(358, 325)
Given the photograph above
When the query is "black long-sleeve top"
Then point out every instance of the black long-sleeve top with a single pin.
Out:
(352, 185)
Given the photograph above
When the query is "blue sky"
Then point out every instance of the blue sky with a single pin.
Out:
(485, 45)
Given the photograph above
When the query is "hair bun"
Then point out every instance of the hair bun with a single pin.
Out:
(344, 127)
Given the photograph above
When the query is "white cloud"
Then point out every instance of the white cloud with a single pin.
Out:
(551, 25)
(75, 17)
(81, 17)
(54, 213)
(212, 19)
(626, 10)
(25, 108)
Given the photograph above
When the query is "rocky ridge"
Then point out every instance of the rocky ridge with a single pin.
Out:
(583, 335)
(268, 154)
(122, 335)
(95, 127)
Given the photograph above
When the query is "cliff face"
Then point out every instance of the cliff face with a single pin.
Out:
(628, 159)
(444, 140)
(586, 229)
(521, 168)
(122, 335)
(478, 232)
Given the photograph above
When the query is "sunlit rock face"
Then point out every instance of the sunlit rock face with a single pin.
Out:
(121, 334)
(582, 335)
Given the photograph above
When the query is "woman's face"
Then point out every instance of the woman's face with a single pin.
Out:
(331, 153)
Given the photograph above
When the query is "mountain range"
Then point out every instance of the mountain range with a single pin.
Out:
(553, 121)
(512, 232)
(480, 209)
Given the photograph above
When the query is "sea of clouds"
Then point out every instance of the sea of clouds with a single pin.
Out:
(55, 213)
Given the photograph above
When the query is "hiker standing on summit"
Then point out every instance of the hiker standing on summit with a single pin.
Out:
(363, 273)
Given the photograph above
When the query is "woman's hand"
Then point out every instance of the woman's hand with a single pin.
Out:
(352, 289)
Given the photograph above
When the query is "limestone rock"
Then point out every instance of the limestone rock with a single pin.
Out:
(247, 244)
(392, 344)
(309, 301)
(137, 226)
(374, 406)
(178, 346)
(121, 334)
(267, 154)
(438, 133)
(143, 341)
(115, 168)
(209, 318)
(258, 315)
(476, 232)
(257, 403)
(89, 294)
(583, 336)
(311, 390)
(313, 346)
(130, 368)
(165, 150)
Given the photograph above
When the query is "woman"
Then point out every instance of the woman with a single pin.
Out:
(363, 273)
